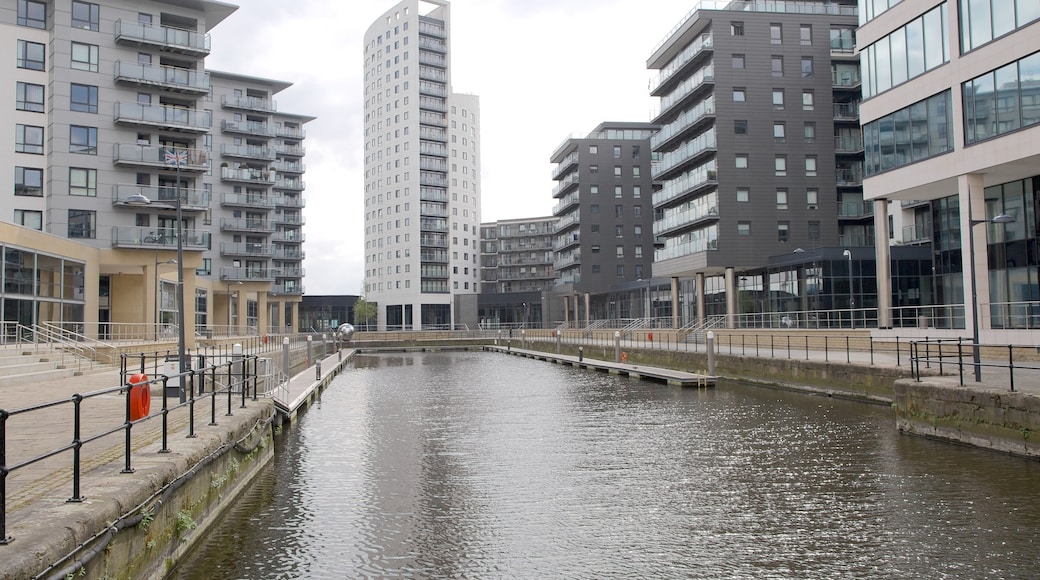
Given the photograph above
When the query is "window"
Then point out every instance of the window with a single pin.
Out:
(29, 218)
(620, 251)
(810, 166)
(81, 223)
(84, 57)
(619, 211)
(595, 248)
(780, 165)
(594, 189)
(637, 192)
(777, 66)
(783, 231)
(85, 15)
(775, 34)
(620, 270)
(807, 67)
(617, 171)
(617, 151)
(805, 35)
(743, 194)
(593, 168)
(28, 181)
(778, 99)
(594, 208)
(28, 139)
(31, 55)
(617, 191)
(740, 127)
(84, 98)
(741, 161)
(619, 231)
(32, 14)
(738, 61)
(808, 100)
(810, 132)
(637, 210)
(779, 132)
(635, 151)
(29, 97)
(743, 228)
(593, 149)
(635, 171)
(83, 182)
(812, 198)
(637, 231)
(739, 95)
(736, 29)
(83, 140)
(813, 231)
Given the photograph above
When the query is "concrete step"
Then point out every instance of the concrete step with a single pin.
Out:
(38, 379)
(27, 367)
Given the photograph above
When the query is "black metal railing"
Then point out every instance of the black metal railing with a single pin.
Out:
(1006, 363)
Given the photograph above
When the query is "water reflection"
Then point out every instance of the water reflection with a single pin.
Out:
(469, 465)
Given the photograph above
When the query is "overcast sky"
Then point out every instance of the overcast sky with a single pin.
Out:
(543, 69)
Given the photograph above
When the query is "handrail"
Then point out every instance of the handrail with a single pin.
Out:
(47, 336)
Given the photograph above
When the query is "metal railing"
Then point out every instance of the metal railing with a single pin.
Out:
(958, 353)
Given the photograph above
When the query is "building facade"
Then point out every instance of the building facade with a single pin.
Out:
(759, 149)
(951, 122)
(604, 236)
(422, 173)
(124, 142)
(516, 272)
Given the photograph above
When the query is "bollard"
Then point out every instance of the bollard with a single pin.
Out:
(558, 344)
(285, 358)
(581, 353)
(236, 359)
(523, 338)
(709, 343)
(317, 371)
(617, 346)
(499, 337)
(310, 339)
(324, 345)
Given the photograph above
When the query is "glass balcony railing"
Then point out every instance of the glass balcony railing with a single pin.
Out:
(175, 118)
(171, 39)
(166, 77)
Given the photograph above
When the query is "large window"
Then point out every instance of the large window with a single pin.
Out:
(85, 15)
(28, 139)
(81, 223)
(29, 218)
(85, 57)
(908, 135)
(84, 98)
(32, 14)
(28, 181)
(83, 140)
(983, 20)
(870, 9)
(1002, 100)
(83, 181)
(31, 55)
(919, 46)
(29, 97)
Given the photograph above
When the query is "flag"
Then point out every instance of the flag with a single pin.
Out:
(176, 157)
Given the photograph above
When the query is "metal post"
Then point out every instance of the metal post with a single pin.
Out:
(310, 339)
(180, 280)
(709, 345)
(617, 346)
(285, 357)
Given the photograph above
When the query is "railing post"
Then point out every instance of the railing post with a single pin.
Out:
(848, 351)
(4, 538)
(230, 382)
(256, 375)
(1011, 365)
(898, 362)
(826, 349)
(191, 403)
(242, 373)
(165, 416)
(213, 397)
(871, 343)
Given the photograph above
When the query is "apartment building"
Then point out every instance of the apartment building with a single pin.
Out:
(125, 143)
(516, 272)
(604, 236)
(422, 173)
(759, 149)
(951, 124)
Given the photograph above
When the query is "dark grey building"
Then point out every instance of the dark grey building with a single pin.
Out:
(604, 236)
(759, 148)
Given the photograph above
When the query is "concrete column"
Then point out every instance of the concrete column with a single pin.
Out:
(566, 311)
(189, 307)
(676, 315)
(731, 298)
(261, 313)
(883, 257)
(973, 206)
(588, 316)
(700, 297)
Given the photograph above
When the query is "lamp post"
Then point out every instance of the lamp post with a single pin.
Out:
(155, 295)
(976, 355)
(852, 294)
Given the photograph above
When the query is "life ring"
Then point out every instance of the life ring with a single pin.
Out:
(140, 396)
(624, 357)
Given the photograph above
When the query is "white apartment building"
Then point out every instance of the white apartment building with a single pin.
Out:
(118, 129)
(951, 128)
(422, 174)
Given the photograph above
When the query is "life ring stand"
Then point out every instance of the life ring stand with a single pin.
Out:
(624, 357)
(140, 396)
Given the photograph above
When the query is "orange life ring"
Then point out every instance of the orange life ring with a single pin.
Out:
(651, 336)
(140, 396)
(624, 357)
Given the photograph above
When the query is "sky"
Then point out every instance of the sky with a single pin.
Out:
(544, 70)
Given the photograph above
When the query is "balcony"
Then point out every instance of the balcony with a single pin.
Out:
(563, 242)
(290, 150)
(246, 200)
(917, 234)
(247, 274)
(252, 225)
(145, 238)
(289, 237)
(848, 144)
(166, 39)
(246, 175)
(163, 117)
(289, 253)
(286, 132)
(257, 104)
(162, 197)
(290, 201)
(565, 184)
(289, 184)
(127, 154)
(247, 250)
(253, 128)
(703, 45)
(287, 289)
(856, 209)
(846, 111)
(289, 219)
(289, 167)
(849, 177)
(252, 152)
(439, 256)
(167, 78)
(566, 203)
(293, 272)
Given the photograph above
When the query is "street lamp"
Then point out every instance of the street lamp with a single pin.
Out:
(976, 357)
(155, 295)
(852, 294)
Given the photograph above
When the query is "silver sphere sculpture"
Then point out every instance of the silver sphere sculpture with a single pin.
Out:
(345, 331)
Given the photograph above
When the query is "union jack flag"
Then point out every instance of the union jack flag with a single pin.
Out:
(176, 157)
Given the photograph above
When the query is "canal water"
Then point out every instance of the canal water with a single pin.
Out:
(474, 465)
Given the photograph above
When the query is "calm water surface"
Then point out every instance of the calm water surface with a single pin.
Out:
(471, 465)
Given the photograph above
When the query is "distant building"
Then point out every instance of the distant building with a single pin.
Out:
(422, 173)
(326, 313)
(516, 272)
